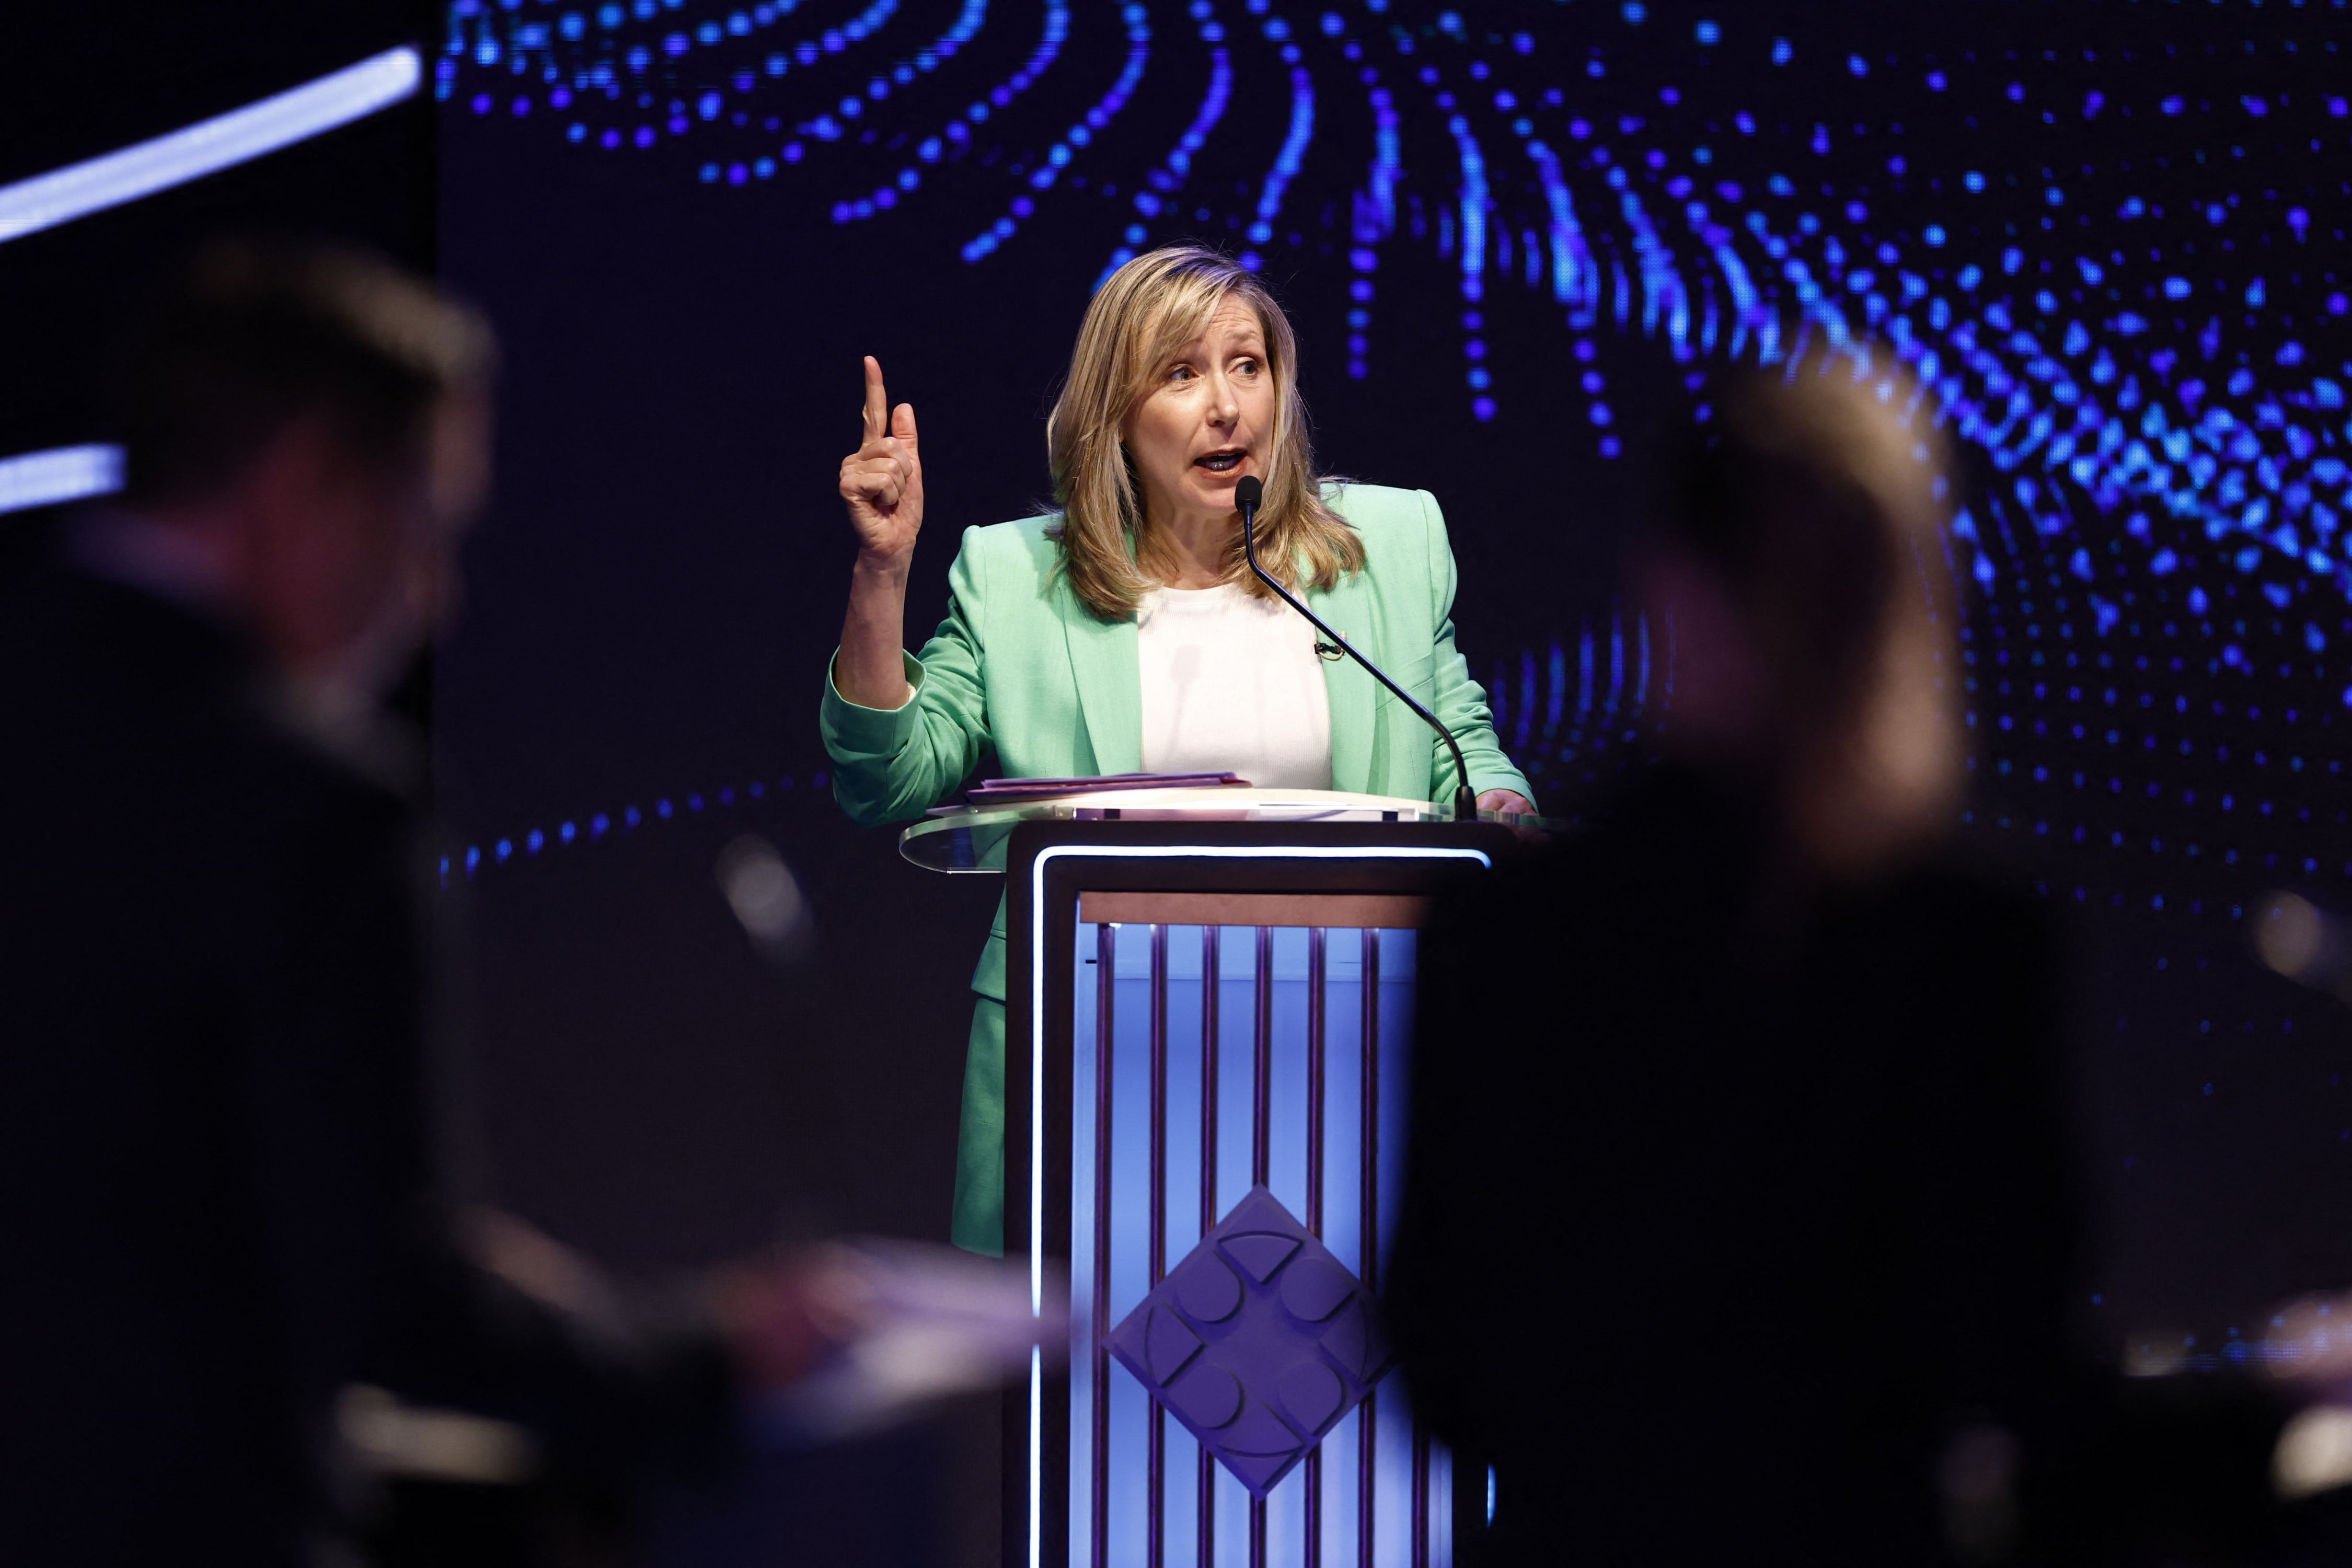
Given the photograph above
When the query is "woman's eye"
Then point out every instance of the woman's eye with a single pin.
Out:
(1246, 367)
(1181, 373)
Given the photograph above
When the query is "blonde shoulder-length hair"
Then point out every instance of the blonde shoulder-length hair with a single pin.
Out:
(1146, 311)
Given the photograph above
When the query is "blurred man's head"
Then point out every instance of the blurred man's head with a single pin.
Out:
(317, 421)
(1797, 553)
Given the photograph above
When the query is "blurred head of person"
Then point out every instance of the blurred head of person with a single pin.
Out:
(1796, 557)
(311, 424)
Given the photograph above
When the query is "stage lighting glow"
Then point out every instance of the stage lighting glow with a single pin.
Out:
(60, 474)
(1168, 177)
(208, 146)
(1059, 155)
(2313, 1453)
(594, 827)
(2289, 935)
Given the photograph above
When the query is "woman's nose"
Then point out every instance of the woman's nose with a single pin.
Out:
(1223, 407)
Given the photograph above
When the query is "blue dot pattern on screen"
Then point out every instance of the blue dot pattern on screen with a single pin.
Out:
(2142, 357)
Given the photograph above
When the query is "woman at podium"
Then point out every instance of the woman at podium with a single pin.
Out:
(1125, 632)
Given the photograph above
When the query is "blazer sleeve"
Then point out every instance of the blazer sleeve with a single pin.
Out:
(891, 765)
(1459, 701)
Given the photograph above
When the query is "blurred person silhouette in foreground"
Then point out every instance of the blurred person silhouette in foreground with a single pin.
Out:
(1740, 1224)
(218, 1194)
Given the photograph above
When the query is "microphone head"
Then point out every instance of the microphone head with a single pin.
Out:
(1249, 495)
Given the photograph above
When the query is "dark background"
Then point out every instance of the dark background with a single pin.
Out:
(2107, 209)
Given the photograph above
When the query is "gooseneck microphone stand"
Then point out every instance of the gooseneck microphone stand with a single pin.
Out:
(1249, 495)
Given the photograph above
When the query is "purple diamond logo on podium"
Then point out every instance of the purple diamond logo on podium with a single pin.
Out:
(1260, 1342)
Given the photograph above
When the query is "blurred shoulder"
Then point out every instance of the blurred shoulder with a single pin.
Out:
(266, 789)
(1979, 910)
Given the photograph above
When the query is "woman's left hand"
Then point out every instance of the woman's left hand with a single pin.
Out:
(1509, 801)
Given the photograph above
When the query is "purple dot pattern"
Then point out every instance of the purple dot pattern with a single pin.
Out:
(1259, 1342)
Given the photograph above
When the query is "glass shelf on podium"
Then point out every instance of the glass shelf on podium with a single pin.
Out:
(972, 838)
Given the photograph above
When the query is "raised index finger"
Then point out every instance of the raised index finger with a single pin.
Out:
(878, 405)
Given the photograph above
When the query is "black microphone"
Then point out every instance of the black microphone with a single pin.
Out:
(1249, 495)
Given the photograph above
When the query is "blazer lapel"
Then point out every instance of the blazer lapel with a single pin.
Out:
(1109, 681)
(1352, 691)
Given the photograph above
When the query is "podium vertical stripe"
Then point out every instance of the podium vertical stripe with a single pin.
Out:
(1155, 1552)
(1210, 987)
(1318, 976)
(1367, 1232)
(1262, 1066)
(1262, 1145)
(1106, 994)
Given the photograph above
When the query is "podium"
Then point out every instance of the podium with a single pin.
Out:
(1208, 1033)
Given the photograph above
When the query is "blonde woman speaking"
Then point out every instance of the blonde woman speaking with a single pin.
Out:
(1126, 633)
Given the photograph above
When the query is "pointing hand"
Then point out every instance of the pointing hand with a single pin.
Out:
(882, 481)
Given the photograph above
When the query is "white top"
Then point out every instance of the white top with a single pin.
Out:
(1231, 683)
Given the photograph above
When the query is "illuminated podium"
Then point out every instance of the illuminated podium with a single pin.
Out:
(1208, 1016)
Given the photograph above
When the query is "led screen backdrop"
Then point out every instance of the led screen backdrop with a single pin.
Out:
(2108, 237)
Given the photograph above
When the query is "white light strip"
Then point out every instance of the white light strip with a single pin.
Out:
(209, 145)
(1036, 1461)
(59, 474)
(1037, 1047)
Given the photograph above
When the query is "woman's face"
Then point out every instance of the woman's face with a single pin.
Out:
(1207, 420)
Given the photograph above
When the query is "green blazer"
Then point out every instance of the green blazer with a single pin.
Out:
(1021, 668)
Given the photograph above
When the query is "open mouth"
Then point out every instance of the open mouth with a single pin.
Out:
(1223, 461)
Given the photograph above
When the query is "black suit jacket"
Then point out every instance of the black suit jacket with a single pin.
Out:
(1724, 1215)
(216, 1194)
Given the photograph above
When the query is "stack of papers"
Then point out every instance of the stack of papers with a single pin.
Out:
(1005, 791)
